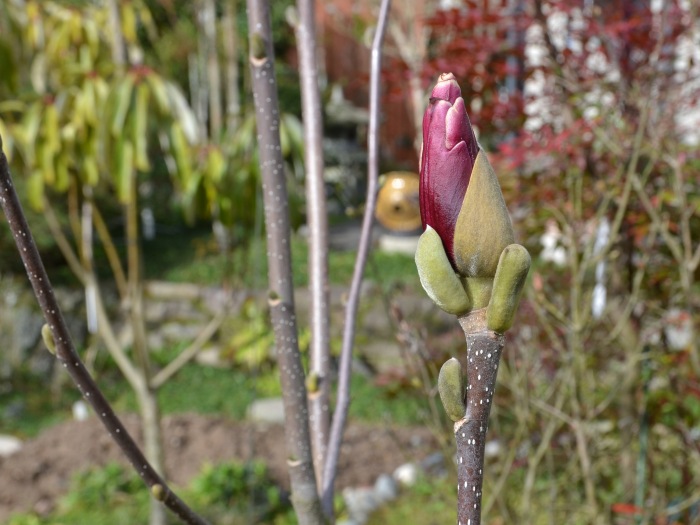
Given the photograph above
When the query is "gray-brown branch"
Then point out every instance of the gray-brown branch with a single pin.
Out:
(281, 292)
(68, 357)
(483, 356)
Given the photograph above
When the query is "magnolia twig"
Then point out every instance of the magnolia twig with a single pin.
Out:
(61, 344)
(343, 394)
(317, 220)
(484, 349)
(281, 292)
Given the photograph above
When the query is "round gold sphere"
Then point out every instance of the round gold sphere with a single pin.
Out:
(398, 206)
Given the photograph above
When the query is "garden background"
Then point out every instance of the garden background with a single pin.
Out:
(138, 164)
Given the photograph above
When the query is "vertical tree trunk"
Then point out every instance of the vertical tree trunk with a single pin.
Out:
(281, 293)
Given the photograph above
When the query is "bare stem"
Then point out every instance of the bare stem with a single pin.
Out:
(317, 220)
(66, 354)
(483, 355)
(343, 394)
(281, 293)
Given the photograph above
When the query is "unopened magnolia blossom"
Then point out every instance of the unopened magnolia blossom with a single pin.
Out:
(466, 258)
(459, 193)
(469, 267)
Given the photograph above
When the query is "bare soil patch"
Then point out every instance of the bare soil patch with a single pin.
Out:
(40, 473)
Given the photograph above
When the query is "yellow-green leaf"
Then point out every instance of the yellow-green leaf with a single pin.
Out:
(128, 22)
(125, 170)
(62, 173)
(160, 93)
(35, 190)
(90, 171)
(437, 276)
(46, 164)
(181, 152)
(122, 102)
(216, 165)
(141, 127)
(50, 128)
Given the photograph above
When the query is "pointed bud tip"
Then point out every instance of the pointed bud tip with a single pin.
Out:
(457, 125)
(447, 88)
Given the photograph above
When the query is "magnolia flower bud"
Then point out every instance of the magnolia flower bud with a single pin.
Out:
(459, 193)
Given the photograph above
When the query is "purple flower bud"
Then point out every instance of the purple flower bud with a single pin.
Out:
(473, 225)
(448, 157)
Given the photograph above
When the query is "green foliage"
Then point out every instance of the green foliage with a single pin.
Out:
(104, 496)
(374, 403)
(113, 495)
(95, 487)
(252, 339)
(191, 256)
(243, 491)
(195, 388)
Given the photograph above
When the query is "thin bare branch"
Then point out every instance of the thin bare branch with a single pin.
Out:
(343, 394)
(317, 221)
(64, 245)
(174, 366)
(66, 354)
(111, 252)
(657, 221)
(281, 292)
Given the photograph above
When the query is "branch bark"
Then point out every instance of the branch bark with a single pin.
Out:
(483, 356)
(281, 293)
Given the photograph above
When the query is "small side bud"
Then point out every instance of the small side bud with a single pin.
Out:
(158, 492)
(312, 381)
(273, 298)
(451, 388)
(437, 276)
(47, 336)
(258, 47)
(513, 267)
(291, 15)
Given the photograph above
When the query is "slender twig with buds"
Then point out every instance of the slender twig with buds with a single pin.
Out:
(470, 267)
(58, 340)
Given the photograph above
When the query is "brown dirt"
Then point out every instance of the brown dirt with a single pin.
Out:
(36, 476)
